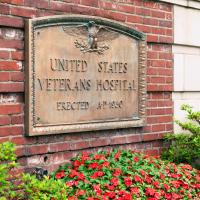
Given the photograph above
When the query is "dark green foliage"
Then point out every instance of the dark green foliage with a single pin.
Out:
(185, 147)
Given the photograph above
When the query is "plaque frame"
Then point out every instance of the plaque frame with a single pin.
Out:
(31, 25)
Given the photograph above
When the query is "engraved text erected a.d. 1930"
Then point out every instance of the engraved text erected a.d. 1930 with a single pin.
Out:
(83, 76)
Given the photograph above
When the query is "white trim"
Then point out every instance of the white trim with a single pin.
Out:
(186, 3)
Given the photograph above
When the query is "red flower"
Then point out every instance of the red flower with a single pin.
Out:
(76, 163)
(168, 196)
(80, 192)
(97, 189)
(110, 194)
(148, 179)
(73, 174)
(189, 167)
(99, 157)
(97, 174)
(114, 181)
(156, 184)
(176, 196)
(117, 155)
(105, 164)
(93, 165)
(162, 176)
(81, 176)
(150, 191)
(111, 187)
(60, 175)
(127, 181)
(117, 172)
(176, 184)
(166, 187)
(135, 191)
(136, 159)
(137, 179)
(142, 172)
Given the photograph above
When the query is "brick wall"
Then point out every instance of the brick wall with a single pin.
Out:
(153, 18)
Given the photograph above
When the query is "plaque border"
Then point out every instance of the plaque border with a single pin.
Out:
(31, 25)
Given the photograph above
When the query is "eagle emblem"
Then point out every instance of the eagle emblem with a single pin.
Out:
(91, 37)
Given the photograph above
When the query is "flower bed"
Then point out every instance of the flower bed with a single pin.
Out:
(126, 175)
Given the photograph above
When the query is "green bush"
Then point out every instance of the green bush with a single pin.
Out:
(185, 147)
(7, 163)
(19, 186)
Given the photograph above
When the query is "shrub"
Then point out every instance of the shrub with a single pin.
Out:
(125, 175)
(19, 186)
(7, 163)
(185, 148)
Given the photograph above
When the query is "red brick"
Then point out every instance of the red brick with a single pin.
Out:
(158, 31)
(3, 139)
(11, 21)
(159, 111)
(126, 8)
(59, 147)
(99, 142)
(118, 140)
(157, 79)
(84, 10)
(23, 12)
(134, 19)
(18, 140)
(11, 130)
(37, 3)
(39, 149)
(157, 143)
(158, 63)
(169, 127)
(20, 151)
(60, 6)
(4, 120)
(11, 109)
(151, 4)
(168, 16)
(152, 38)
(157, 14)
(4, 76)
(152, 152)
(133, 138)
(92, 3)
(4, 9)
(9, 65)
(165, 87)
(152, 55)
(15, 44)
(17, 76)
(150, 21)
(150, 137)
(169, 32)
(4, 54)
(158, 127)
(117, 16)
(12, 87)
(80, 145)
(17, 55)
(165, 23)
(104, 5)
(163, 39)
(17, 119)
(16, 2)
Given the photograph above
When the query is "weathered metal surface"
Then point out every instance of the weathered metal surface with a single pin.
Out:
(83, 73)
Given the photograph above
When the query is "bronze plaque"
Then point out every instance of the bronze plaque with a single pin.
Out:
(83, 73)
